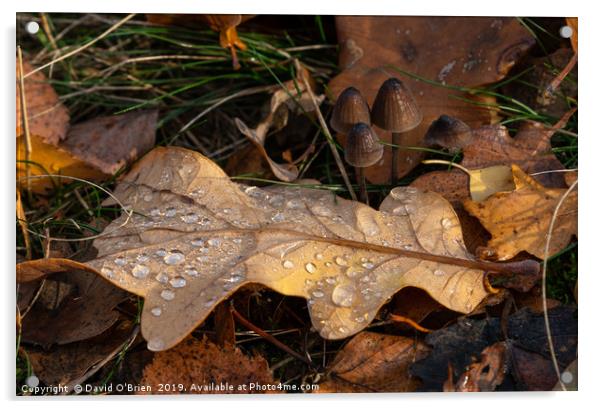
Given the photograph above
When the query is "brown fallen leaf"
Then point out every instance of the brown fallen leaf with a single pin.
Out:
(414, 304)
(111, 142)
(203, 367)
(47, 116)
(485, 375)
(474, 51)
(196, 237)
(66, 363)
(75, 304)
(493, 146)
(373, 362)
(519, 220)
(292, 98)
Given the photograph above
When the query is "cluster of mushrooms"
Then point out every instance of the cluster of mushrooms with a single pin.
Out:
(394, 110)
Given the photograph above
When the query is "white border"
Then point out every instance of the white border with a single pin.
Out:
(590, 161)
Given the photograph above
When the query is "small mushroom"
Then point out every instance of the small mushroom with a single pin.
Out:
(448, 132)
(362, 149)
(395, 110)
(351, 108)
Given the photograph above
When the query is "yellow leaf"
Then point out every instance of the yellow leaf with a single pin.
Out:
(519, 220)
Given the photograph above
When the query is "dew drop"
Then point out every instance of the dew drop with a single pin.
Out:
(446, 223)
(191, 272)
(407, 247)
(278, 217)
(197, 242)
(170, 212)
(155, 212)
(147, 197)
(310, 267)
(162, 278)
(439, 273)
(140, 271)
(353, 272)
(190, 218)
(120, 261)
(168, 295)
(174, 257)
(237, 240)
(331, 280)
(214, 242)
(317, 293)
(295, 204)
(319, 256)
(210, 302)
(359, 319)
(160, 253)
(107, 272)
(368, 264)
(328, 264)
(400, 211)
(340, 261)
(155, 344)
(142, 257)
(177, 282)
(321, 211)
(156, 311)
(288, 264)
(342, 295)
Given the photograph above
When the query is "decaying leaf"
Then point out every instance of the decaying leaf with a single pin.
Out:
(472, 52)
(292, 98)
(109, 143)
(493, 146)
(47, 116)
(66, 363)
(196, 237)
(373, 362)
(459, 345)
(75, 304)
(486, 374)
(203, 367)
(519, 220)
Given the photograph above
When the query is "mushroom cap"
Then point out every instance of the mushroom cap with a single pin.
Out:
(350, 108)
(362, 147)
(448, 132)
(395, 108)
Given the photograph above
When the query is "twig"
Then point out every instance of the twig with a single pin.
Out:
(329, 138)
(24, 120)
(268, 337)
(543, 284)
(22, 218)
(551, 88)
(83, 47)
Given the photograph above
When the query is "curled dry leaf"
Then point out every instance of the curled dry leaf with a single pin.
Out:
(373, 362)
(493, 146)
(474, 51)
(196, 237)
(66, 363)
(292, 98)
(47, 117)
(519, 220)
(75, 303)
(486, 374)
(203, 367)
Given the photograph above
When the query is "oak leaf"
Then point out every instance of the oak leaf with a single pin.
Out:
(195, 237)
(472, 52)
(519, 220)
(373, 362)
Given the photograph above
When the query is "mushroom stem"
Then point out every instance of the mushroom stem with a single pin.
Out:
(361, 181)
(395, 140)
